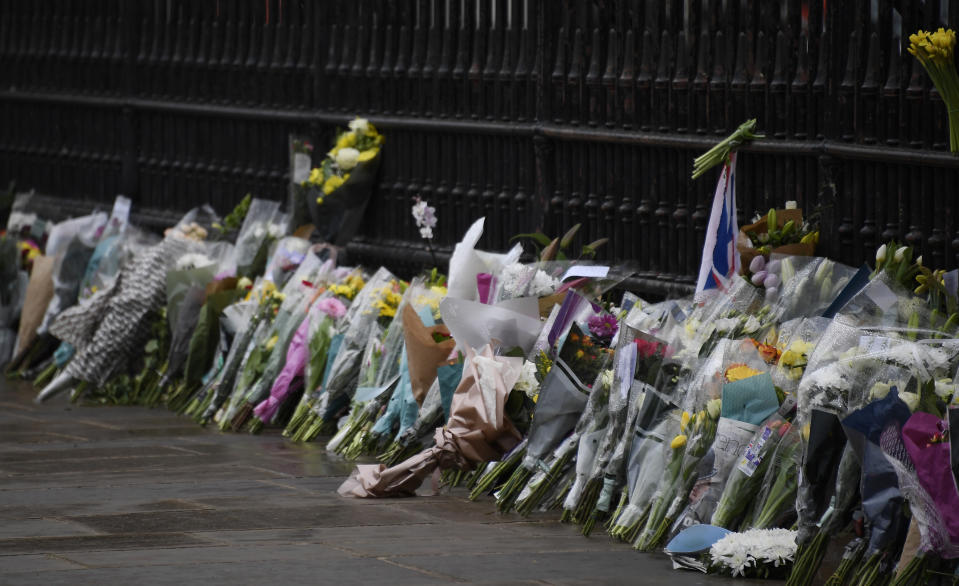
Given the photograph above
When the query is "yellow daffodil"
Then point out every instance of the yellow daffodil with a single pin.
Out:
(935, 51)
(678, 442)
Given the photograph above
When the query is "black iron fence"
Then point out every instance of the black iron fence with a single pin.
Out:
(535, 113)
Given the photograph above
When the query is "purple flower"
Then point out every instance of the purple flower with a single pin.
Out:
(603, 326)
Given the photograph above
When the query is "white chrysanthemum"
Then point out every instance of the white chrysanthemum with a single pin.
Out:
(347, 158)
(738, 551)
(359, 125)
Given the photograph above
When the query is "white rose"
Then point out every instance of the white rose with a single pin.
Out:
(360, 125)
(347, 158)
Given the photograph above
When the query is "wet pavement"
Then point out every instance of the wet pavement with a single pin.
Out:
(97, 495)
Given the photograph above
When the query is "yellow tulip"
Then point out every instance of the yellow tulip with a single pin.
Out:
(368, 155)
(684, 421)
(678, 442)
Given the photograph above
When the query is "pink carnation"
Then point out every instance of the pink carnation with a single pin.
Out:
(332, 307)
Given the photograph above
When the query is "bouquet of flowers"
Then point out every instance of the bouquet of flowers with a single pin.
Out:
(478, 431)
(745, 479)
(374, 302)
(780, 232)
(266, 361)
(755, 553)
(344, 181)
(327, 318)
(935, 50)
(113, 326)
(252, 319)
(383, 367)
(427, 346)
(696, 436)
(262, 226)
(299, 293)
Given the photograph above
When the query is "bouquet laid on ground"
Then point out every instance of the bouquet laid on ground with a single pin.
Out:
(823, 398)
(477, 431)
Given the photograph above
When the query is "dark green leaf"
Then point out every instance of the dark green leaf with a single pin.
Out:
(538, 237)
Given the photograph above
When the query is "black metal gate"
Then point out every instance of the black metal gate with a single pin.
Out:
(535, 113)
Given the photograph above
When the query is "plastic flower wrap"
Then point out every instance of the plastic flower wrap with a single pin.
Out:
(555, 468)
(467, 262)
(383, 378)
(267, 357)
(342, 379)
(748, 473)
(563, 395)
(477, 431)
(262, 226)
(703, 407)
(748, 398)
(252, 319)
(186, 286)
(327, 320)
(286, 358)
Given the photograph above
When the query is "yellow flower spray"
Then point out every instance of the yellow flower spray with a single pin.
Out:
(935, 51)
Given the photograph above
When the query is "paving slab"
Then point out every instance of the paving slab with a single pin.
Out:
(97, 495)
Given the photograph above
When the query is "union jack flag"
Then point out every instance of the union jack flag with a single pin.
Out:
(720, 258)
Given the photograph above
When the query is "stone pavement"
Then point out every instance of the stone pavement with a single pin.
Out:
(124, 495)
